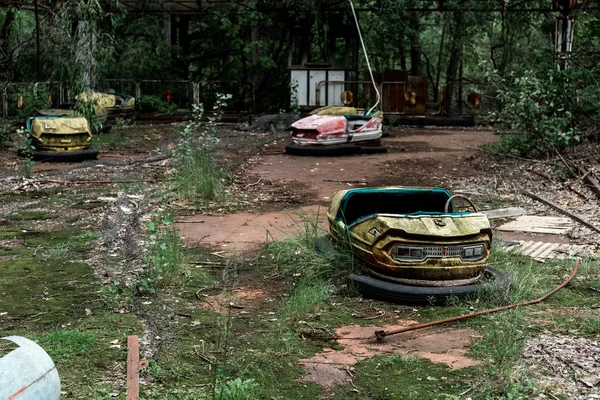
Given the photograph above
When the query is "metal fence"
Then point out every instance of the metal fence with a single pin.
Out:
(26, 98)
(412, 97)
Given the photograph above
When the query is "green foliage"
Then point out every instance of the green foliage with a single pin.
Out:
(87, 109)
(115, 295)
(164, 255)
(153, 103)
(5, 131)
(237, 389)
(26, 148)
(305, 298)
(197, 175)
(544, 110)
(32, 103)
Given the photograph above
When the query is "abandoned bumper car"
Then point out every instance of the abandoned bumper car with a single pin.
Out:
(414, 247)
(115, 104)
(336, 131)
(61, 138)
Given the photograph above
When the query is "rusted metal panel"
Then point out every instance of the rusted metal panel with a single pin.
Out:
(417, 85)
(393, 90)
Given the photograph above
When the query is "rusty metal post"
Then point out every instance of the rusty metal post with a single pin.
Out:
(196, 92)
(138, 95)
(134, 365)
(5, 103)
(37, 39)
(28, 373)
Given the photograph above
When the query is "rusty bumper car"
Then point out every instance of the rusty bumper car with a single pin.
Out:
(329, 132)
(115, 104)
(413, 245)
(61, 138)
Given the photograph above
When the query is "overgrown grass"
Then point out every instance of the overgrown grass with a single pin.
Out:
(305, 297)
(505, 333)
(316, 273)
(67, 342)
(164, 257)
(197, 175)
(116, 137)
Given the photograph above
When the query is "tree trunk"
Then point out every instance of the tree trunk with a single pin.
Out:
(436, 83)
(5, 40)
(416, 66)
(455, 57)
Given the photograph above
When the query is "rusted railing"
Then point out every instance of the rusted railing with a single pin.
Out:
(183, 93)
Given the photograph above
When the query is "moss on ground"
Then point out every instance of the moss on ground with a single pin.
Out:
(400, 377)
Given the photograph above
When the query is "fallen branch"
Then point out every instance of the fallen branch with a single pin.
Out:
(202, 356)
(585, 174)
(590, 180)
(531, 160)
(255, 183)
(380, 335)
(571, 172)
(561, 210)
(216, 264)
(342, 181)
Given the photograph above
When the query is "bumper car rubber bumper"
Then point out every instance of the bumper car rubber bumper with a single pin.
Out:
(334, 150)
(68, 156)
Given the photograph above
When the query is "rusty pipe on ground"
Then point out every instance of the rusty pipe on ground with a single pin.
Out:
(69, 182)
(380, 335)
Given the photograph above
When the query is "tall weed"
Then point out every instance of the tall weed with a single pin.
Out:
(164, 255)
(315, 272)
(197, 175)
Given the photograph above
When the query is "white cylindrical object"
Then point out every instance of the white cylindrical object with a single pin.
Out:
(28, 373)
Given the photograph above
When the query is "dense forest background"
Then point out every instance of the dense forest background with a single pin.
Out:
(87, 42)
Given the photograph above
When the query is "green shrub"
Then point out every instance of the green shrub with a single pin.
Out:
(33, 102)
(544, 110)
(153, 103)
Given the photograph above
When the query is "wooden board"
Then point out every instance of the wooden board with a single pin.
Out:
(539, 224)
(509, 212)
(545, 251)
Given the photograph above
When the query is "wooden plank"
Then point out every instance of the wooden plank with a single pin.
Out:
(538, 224)
(133, 368)
(543, 250)
(509, 212)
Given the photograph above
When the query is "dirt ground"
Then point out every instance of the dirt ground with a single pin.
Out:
(278, 186)
(273, 193)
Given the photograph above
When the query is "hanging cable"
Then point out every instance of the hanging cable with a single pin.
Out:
(366, 58)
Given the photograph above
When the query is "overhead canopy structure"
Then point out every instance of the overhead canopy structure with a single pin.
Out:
(202, 6)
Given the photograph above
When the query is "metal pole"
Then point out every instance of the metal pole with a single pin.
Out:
(37, 39)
